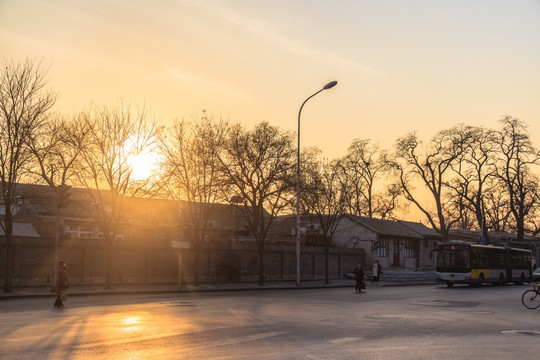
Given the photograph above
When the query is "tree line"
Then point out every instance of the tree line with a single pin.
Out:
(464, 177)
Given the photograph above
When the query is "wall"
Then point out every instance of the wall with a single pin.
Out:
(349, 230)
(427, 259)
(156, 262)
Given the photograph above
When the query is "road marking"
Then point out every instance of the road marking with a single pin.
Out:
(482, 312)
(345, 340)
(521, 332)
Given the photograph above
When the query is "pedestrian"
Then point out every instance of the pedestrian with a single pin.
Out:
(376, 271)
(359, 276)
(62, 284)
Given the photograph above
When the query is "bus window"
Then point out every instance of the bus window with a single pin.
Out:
(453, 258)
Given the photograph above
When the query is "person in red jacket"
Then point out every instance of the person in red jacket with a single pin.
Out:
(61, 283)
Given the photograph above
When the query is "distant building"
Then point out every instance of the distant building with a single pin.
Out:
(391, 242)
(143, 218)
(396, 244)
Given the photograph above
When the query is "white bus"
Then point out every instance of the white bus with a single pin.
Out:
(465, 263)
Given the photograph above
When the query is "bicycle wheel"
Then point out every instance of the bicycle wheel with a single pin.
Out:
(531, 299)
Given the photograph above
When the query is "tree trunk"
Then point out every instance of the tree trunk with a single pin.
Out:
(196, 257)
(520, 230)
(261, 262)
(10, 253)
(108, 261)
(56, 245)
(10, 249)
(326, 277)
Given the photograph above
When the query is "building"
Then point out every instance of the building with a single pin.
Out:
(431, 239)
(396, 244)
(391, 242)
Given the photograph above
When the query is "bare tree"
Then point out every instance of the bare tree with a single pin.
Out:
(191, 163)
(365, 169)
(532, 224)
(259, 166)
(325, 192)
(56, 148)
(310, 163)
(431, 168)
(517, 158)
(475, 174)
(497, 208)
(24, 102)
(116, 136)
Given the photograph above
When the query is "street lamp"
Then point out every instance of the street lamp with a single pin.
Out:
(330, 85)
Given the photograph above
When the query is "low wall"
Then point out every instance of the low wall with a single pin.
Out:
(157, 262)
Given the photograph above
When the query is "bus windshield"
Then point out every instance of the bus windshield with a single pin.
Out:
(454, 258)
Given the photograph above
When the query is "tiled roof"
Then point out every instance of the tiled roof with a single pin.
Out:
(422, 229)
(386, 227)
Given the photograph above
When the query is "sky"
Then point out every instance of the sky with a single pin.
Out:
(401, 66)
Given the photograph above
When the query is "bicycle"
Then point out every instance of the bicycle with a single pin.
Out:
(531, 298)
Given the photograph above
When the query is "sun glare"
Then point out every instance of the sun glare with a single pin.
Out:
(143, 165)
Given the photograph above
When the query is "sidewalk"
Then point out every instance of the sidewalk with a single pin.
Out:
(126, 289)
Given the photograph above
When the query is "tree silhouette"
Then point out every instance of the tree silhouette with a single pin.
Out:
(116, 135)
(24, 101)
(191, 165)
(517, 159)
(259, 166)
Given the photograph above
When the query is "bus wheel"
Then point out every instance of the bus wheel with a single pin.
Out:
(521, 279)
(480, 279)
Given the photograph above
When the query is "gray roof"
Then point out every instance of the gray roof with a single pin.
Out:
(422, 229)
(22, 230)
(386, 227)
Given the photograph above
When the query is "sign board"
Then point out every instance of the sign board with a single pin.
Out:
(180, 244)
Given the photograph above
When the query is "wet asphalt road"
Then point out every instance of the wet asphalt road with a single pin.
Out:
(399, 322)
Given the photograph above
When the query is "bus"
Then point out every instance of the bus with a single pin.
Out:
(475, 264)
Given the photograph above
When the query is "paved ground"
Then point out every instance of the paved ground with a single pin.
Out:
(408, 322)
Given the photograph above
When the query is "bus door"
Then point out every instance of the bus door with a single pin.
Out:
(508, 263)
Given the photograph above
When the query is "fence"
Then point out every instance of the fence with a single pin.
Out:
(157, 262)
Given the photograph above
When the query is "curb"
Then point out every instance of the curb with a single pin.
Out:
(15, 295)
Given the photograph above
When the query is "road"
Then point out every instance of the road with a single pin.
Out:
(398, 322)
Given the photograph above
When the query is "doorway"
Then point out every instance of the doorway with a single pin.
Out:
(395, 263)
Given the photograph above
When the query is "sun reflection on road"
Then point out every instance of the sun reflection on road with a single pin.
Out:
(131, 324)
(125, 325)
(129, 334)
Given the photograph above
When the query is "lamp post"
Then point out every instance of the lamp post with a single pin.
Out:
(326, 87)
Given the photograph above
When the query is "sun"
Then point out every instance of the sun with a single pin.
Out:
(143, 165)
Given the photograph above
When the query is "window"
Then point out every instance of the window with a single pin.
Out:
(382, 248)
(409, 249)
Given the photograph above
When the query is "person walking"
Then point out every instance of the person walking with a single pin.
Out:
(62, 284)
(359, 276)
(376, 271)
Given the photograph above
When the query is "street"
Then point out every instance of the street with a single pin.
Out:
(393, 322)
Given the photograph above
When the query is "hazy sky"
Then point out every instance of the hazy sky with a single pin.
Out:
(401, 65)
